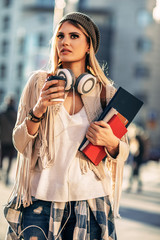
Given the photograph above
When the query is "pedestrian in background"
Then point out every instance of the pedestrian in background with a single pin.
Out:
(139, 150)
(59, 193)
(7, 122)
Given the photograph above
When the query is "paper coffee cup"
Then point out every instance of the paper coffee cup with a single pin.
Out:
(61, 82)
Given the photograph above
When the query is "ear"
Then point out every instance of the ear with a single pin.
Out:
(88, 50)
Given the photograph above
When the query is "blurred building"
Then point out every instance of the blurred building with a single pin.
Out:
(129, 45)
(25, 29)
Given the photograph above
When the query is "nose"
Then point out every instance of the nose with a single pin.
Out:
(65, 40)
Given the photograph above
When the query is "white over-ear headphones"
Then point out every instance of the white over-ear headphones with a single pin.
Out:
(83, 84)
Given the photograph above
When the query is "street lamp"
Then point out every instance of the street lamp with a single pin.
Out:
(71, 6)
(58, 11)
(156, 12)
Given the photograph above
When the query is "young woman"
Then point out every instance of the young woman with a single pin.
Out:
(59, 192)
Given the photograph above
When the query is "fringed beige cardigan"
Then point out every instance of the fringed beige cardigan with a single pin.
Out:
(31, 148)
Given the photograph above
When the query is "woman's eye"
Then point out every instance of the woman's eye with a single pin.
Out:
(74, 36)
(60, 36)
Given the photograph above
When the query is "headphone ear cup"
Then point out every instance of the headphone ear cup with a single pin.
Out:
(85, 83)
(69, 76)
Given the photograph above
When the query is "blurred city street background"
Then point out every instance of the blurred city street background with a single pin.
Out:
(130, 54)
(140, 212)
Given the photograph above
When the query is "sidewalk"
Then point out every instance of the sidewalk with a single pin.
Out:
(140, 212)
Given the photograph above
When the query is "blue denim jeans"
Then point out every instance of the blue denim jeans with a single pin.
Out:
(36, 222)
(35, 218)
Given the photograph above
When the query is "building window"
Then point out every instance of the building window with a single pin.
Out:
(7, 3)
(21, 45)
(144, 18)
(142, 71)
(20, 70)
(6, 23)
(3, 71)
(2, 94)
(5, 47)
(144, 45)
(41, 40)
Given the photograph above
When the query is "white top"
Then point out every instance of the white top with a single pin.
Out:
(64, 181)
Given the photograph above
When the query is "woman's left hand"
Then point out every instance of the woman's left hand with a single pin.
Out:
(100, 133)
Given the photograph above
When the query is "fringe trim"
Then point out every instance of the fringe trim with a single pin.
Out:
(22, 183)
(85, 164)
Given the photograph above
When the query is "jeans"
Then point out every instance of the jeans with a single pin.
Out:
(36, 218)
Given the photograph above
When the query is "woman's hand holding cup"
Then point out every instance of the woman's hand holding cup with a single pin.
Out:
(57, 89)
(52, 93)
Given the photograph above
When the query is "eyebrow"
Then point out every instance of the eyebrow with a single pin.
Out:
(70, 33)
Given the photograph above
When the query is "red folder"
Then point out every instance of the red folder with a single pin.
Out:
(117, 126)
(97, 153)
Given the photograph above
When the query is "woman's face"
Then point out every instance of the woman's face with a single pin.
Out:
(72, 44)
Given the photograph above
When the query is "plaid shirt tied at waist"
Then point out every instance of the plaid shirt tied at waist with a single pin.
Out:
(100, 207)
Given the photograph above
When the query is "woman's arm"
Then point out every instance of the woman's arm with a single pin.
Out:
(47, 93)
(37, 99)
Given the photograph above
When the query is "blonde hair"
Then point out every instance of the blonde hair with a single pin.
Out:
(92, 63)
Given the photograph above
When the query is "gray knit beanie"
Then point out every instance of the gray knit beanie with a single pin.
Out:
(88, 24)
